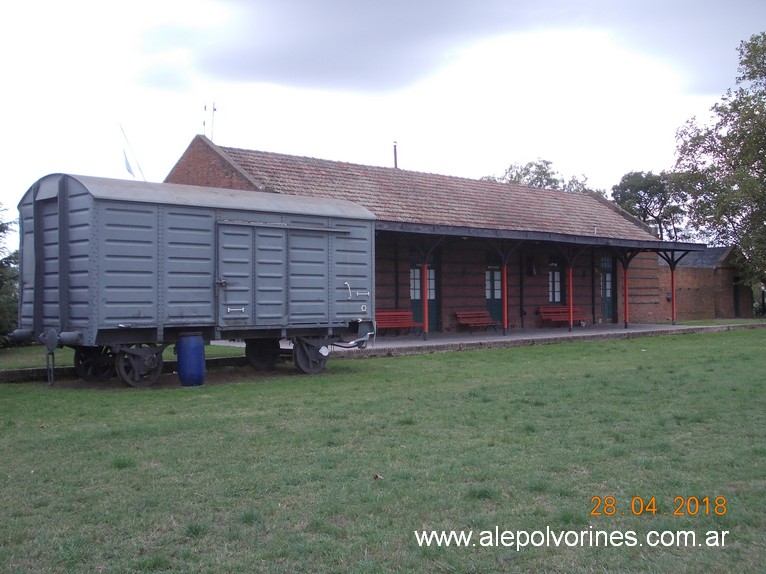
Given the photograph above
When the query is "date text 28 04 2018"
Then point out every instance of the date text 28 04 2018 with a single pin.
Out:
(682, 506)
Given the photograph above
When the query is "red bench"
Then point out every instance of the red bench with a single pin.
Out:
(396, 319)
(560, 314)
(476, 319)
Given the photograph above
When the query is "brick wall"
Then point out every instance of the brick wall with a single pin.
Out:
(643, 289)
(460, 270)
(705, 293)
(700, 293)
(201, 165)
(392, 273)
(694, 293)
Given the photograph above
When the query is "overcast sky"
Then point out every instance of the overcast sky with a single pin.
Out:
(466, 87)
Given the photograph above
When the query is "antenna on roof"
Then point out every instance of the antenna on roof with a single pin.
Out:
(396, 162)
(213, 110)
(212, 121)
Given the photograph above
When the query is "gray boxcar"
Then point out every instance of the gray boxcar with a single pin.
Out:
(119, 269)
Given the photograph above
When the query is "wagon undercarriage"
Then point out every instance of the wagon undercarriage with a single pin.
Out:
(141, 365)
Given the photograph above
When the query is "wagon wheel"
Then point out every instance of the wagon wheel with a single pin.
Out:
(94, 364)
(141, 365)
(308, 358)
(262, 354)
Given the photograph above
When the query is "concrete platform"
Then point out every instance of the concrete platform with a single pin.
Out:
(412, 344)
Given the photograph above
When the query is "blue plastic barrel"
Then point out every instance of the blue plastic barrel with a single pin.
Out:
(190, 348)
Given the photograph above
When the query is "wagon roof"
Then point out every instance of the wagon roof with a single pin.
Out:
(192, 195)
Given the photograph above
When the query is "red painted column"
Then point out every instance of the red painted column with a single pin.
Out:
(673, 295)
(570, 303)
(504, 295)
(424, 295)
(625, 294)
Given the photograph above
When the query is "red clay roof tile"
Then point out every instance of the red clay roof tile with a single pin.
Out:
(396, 195)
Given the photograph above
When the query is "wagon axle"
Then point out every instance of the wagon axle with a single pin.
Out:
(139, 365)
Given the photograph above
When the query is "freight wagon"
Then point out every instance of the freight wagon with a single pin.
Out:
(119, 270)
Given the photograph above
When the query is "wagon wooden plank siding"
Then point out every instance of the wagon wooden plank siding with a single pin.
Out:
(119, 269)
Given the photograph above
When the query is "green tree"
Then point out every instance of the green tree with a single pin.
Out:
(9, 278)
(725, 163)
(656, 199)
(541, 175)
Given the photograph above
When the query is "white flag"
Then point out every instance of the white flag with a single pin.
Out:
(127, 163)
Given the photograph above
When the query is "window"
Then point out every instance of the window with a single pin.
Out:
(493, 284)
(607, 289)
(416, 285)
(607, 267)
(555, 283)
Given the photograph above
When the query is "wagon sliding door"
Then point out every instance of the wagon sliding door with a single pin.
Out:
(308, 267)
(251, 281)
(300, 275)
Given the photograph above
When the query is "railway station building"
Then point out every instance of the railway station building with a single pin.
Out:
(455, 253)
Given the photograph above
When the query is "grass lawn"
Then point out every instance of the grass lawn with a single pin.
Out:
(335, 472)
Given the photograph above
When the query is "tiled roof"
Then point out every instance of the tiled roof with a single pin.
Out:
(396, 195)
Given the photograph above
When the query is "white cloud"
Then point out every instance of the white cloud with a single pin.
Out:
(470, 87)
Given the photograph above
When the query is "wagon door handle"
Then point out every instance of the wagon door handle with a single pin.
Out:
(221, 283)
(349, 289)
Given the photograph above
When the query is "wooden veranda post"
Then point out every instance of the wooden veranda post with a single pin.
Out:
(504, 251)
(672, 258)
(570, 303)
(673, 295)
(426, 253)
(504, 295)
(424, 296)
(625, 257)
(570, 255)
(625, 306)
